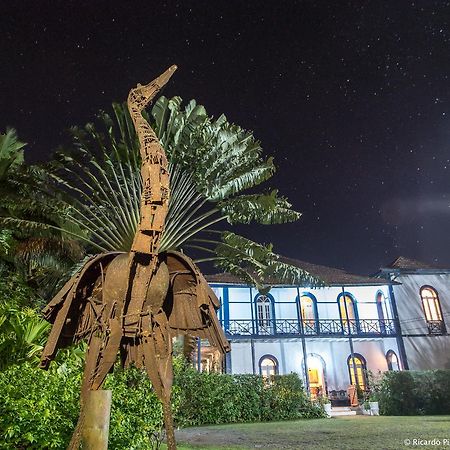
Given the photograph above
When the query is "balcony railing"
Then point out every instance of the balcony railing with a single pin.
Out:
(322, 327)
(436, 327)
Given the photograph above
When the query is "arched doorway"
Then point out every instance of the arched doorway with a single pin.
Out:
(357, 368)
(316, 375)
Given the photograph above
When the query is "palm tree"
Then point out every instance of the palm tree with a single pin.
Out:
(43, 252)
(215, 166)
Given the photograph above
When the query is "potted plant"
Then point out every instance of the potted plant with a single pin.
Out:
(373, 404)
(366, 408)
(325, 402)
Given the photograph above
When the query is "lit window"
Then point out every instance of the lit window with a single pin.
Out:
(308, 312)
(392, 361)
(430, 303)
(347, 309)
(432, 310)
(263, 311)
(268, 366)
(358, 371)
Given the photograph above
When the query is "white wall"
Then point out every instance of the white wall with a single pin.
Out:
(409, 303)
(334, 353)
(426, 351)
(288, 351)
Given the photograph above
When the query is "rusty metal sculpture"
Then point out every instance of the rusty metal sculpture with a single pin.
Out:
(136, 302)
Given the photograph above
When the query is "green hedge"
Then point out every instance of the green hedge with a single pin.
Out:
(409, 393)
(211, 398)
(39, 409)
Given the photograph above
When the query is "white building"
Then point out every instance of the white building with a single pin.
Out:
(332, 336)
(422, 295)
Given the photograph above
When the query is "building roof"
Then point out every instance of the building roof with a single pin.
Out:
(409, 264)
(329, 275)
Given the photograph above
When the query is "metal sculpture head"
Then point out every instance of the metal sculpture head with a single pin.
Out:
(142, 95)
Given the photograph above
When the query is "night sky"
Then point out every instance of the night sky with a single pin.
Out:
(352, 98)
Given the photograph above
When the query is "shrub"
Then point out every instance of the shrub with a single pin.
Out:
(39, 409)
(210, 398)
(415, 392)
(136, 412)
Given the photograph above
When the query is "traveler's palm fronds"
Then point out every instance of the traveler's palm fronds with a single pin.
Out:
(257, 264)
(97, 185)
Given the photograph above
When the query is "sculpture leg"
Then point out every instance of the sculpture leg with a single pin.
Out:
(108, 354)
(159, 368)
(168, 422)
(92, 356)
(100, 358)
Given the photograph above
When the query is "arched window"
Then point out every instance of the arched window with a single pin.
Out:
(308, 308)
(392, 361)
(264, 314)
(348, 312)
(381, 306)
(382, 311)
(432, 310)
(358, 370)
(268, 366)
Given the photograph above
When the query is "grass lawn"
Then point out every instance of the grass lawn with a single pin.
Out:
(356, 432)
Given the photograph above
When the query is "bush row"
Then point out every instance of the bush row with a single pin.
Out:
(409, 393)
(211, 398)
(39, 409)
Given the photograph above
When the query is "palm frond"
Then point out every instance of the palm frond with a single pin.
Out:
(91, 191)
(11, 151)
(261, 208)
(257, 264)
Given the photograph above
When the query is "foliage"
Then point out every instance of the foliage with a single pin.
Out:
(39, 409)
(22, 335)
(136, 413)
(34, 236)
(212, 398)
(322, 400)
(22, 331)
(415, 392)
(94, 189)
(257, 264)
(11, 152)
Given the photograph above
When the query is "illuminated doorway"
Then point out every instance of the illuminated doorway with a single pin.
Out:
(357, 368)
(316, 376)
